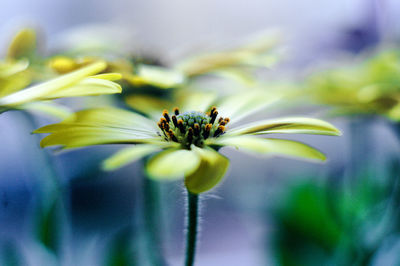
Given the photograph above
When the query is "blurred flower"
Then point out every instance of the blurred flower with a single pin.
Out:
(23, 66)
(82, 82)
(136, 75)
(234, 63)
(370, 87)
(186, 143)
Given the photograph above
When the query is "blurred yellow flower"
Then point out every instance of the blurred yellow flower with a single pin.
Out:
(186, 143)
(81, 82)
(370, 87)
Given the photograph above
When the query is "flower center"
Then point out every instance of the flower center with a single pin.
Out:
(191, 127)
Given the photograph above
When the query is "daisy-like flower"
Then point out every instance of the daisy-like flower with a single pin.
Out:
(185, 142)
(81, 82)
(367, 87)
(22, 73)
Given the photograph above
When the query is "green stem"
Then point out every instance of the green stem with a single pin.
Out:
(192, 222)
(152, 213)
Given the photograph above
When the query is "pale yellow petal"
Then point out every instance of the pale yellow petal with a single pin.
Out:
(156, 76)
(293, 125)
(191, 100)
(129, 155)
(108, 76)
(48, 108)
(8, 69)
(72, 136)
(42, 90)
(149, 105)
(113, 117)
(23, 44)
(88, 87)
(281, 147)
(172, 164)
(239, 106)
(209, 173)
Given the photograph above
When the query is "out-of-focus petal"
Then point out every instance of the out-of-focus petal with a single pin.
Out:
(48, 108)
(241, 105)
(23, 44)
(88, 87)
(149, 105)
(156, 76)
(41, 91)
(112, 117)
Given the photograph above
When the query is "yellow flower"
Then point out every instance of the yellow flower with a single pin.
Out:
(369, 87)
(186, 143)
(233, 63)
(22, 67)
(81, 82)
(136, 75)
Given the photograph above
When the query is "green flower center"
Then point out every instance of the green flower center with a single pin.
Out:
(191, 127)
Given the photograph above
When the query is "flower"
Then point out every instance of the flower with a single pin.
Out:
(368, 87)
(186, 143)
(237, 63)
(81, 82)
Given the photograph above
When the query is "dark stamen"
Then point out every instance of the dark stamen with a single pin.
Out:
(190, 135)
(181, 126)
(207, 130)
(219, 131)
(213, 117)
(176, 111)
(196, 129)
(165, 114)
(175, 121)
(166, 127)
(220, 120)
(172, 135)
(213, 109)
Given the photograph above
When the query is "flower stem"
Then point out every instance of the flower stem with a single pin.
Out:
(192, 222)
(152, 213)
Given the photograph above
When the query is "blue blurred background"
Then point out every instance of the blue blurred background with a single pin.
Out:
(248, 219)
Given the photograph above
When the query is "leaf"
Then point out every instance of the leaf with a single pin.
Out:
(281, 147)
(172, 164)
(292, 125)
(48, 228)
(121, 249)
(129, 155)
(209, 173)
(42, 90)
